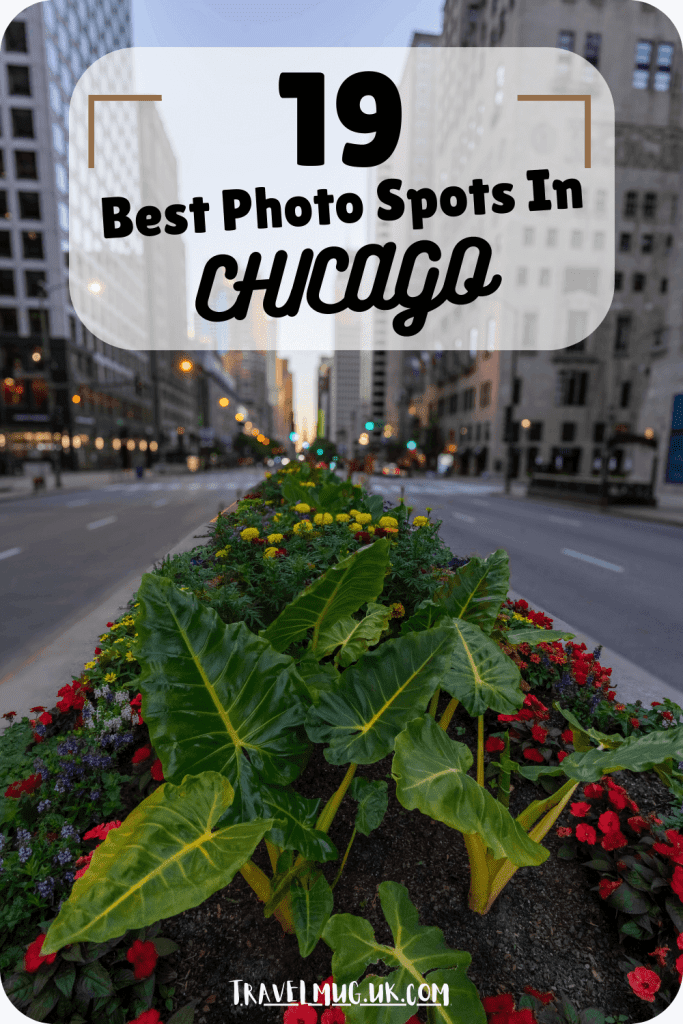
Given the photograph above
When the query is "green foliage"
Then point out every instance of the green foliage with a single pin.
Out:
(311, 908)
(480, 675)
(351, 637)
(478, 590)
(373, 800)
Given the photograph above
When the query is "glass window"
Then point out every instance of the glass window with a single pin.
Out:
(630, 204)
(664, 285)
(32, 243)
(624, 242)
(4, 209)
(650, 204)
(5, 244)
(22, 124)
(25, 164)
(485, 394)
(8, 321)
(647, 243)
(665, 52)
(623, 332)
(35, 283)
(29, 205)
(641, 71)
(618, 280)
(18, 80)
(6, 282)
(15, 37)
(638, 282)
(592, 48)
(625, 396)
(38, 321)
(565, 40)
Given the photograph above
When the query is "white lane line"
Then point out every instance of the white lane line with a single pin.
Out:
(465, 519)
(160, 501)
(78, 503)
(101, 522)
(9, 552)
(564, 522)
(593, 561)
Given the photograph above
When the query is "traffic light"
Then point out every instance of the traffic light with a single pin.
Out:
(370, 425)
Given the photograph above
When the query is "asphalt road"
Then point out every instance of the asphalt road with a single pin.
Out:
(617, 579)
(63, 553)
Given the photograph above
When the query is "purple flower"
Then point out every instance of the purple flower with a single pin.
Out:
(24, 854)
(597, 652)
(62, 786)
(44, 805)
(46, 887)
(69, 832)
(70, 746)
(94, 794)
(63, 857)
(23, 835)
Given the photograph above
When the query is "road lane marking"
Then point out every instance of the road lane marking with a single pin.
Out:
(592, 560)
(564, 522)
(101, 522)
(160, 501)
(78, 503)
(9, 552)
(465, 519)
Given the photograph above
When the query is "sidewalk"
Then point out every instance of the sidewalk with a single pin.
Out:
(38, 679)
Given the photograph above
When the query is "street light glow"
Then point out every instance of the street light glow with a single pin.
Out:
(36, 357)
(153, 446)
(76, 399)
(363, 439)
(95, 287)
(411, 446)
(526, 424)
(224, 402)
(649, 433)
(186, 365)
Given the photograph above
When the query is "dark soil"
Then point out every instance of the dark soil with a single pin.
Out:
(549, 928)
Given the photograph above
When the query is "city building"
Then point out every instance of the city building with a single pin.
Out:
(325, 367)
(350, 374)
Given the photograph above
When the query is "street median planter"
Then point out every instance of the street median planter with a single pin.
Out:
(323, 742)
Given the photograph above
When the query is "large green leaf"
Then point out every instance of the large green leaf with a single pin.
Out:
(480, 675)
(165, 858)
(311, 909)
(340, 591)
(417, 950)
(379, 695)
(296, 829)
(479, 589)
(373, 800)
(215, 697)
(353, 636)
(586, 733)
(430, 770)
(636, 754)
(534, 636)
(317, 678)
(425, 616)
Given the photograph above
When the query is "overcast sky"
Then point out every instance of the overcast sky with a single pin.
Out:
(286, 23)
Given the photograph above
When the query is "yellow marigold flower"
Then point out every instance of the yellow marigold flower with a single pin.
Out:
(307, 483)
(110, 677)
(371, 529)
(388, 521)
(353, 511)
(270, 553)
(363, 518)
(305, 526)
(277, 517)
(90, 664)
(268, 476)
(105, 636)
(249, 533)
(342, 517)
(420, 521)
(275, 538)
(302, 507)
(130, 656)
(397, 610)
(354, 527)
(223, 553)
(323, 519)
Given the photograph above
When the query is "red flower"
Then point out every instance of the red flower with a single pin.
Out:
(679, 941)
(645, 983)
(679, 967)
(586, 834)
(673, 852)
(561, 754)
(143, 956)
(38, 707)
(100, 831)
(614, 840)
(493, 744)
(543, 997)
(611, 694)
(45, 718)
(335, 1015)
(668, 716)
(33, 958)
(536, 658)
(639, 824)
(98, 650)
(9, 715)
(567, 736)
(157, 771)
(29, 785)
(609, 822)
(635, 723)
(659, 954)
(147, 1017)
(141, 754)
(531, 754)
(564, 833)
(580, 809)
(607, 887)
(619, 800)
(539, 733)
(136, 702)
(85, 861)
(677, 882)
(498, 1004)
(522, 1017)
(656, 704)
(109, 625)
(300, 1013)
(72, 697)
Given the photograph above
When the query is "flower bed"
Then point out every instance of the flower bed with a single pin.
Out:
(318, 646)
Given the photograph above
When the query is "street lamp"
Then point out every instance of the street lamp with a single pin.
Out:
(186, 365)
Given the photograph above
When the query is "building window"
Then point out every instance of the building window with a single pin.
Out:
(529, 330)
(551, 237)
(624, 242)
(521, 275)
(453, 403)
(29, 205)
(592, 48)
(2, 164)
(599, 432)
(577, 327)
(621, 338)
(15, 37)
(517, 391)
(625, 395)
(568, 431)
(7, 282)
(664, 285)
(577, 239)
(641, 71)
(572, 386)
(4, 209)
(665, 52)
(565, 40)
(485, 394)
(630, 204)
(650, 205)
(8, 321)
(22, 124)
(647, 243)
(536, 431)
(639, 282)
(618, 281)
(18, 80)
(5, 244)
(32, 243)
(468, 399)
(25, 164)
(35, 283)
(38, 321)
